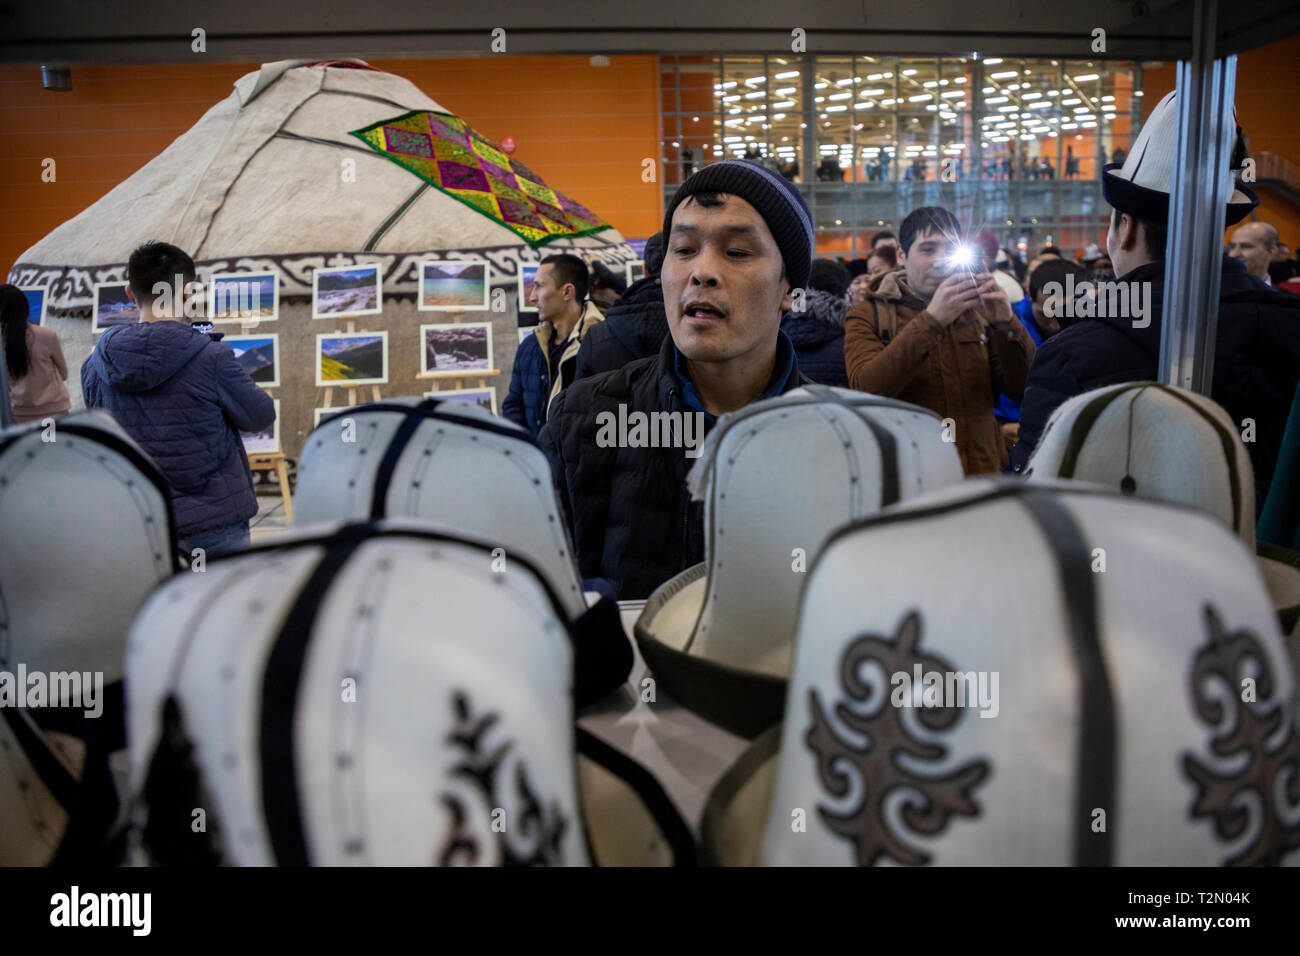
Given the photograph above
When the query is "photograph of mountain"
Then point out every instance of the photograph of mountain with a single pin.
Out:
(527, 279)
(354, 290)
(259, 356)
(358, 358)
(484, 398)
(265, 442)
(244, 296)
(463, 347)
(35, 302)
(112, 307)
(454, 286)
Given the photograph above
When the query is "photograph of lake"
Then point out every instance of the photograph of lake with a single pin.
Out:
(257, 355)
(465, 347)
(35, 296)
(360, 357)
(112, 307)
(250, 295)
(453, 285)
(351, 291)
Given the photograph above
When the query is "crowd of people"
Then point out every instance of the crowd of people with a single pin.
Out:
(732, 308)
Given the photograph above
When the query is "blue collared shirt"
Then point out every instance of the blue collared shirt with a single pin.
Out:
(782, 369)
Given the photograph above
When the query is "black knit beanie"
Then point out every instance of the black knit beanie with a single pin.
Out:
(776, 199)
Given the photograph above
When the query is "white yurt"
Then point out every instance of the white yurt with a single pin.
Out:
(309, 165)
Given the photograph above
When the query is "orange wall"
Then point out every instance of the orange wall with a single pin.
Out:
(1268, 79)
(584, 128)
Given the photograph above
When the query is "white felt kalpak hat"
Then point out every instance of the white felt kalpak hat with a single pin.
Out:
(1115, 732)
(1170, 444)
(777, 477)
(370, 694)
(1141, 184)
(86, 531)
(451, 463)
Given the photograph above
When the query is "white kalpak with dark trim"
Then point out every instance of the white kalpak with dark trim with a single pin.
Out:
(1147, 711)
(777, 477)
(86, 531)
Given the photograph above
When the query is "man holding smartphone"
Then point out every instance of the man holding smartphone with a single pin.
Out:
(941, 334)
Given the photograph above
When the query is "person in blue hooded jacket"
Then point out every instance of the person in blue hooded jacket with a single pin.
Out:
(184, 398)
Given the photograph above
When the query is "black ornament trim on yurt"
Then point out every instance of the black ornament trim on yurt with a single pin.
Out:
(1253, 803)
(543, 828)
(929, 802)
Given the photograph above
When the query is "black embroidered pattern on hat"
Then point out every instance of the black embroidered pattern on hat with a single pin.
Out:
(877, 769)
(1256, 800)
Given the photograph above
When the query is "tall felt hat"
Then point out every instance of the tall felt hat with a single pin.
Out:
(1141, 185)
(777, 477)
(1096, 720)
(1169, 444)
(86, 532)
(365, 694)
(447, 462)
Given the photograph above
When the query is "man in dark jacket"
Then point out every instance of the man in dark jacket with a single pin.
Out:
(184, 398)
(634, 327)
(1257, 348)
(738, 239)
(817, 330)
(546, 361)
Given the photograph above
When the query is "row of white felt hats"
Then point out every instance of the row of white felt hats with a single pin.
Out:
(1135, 579)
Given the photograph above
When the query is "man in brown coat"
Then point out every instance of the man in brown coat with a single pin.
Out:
(942, 336)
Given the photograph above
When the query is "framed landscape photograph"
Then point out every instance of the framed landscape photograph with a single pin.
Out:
(265, 442)
(635, 271)
(36, 299)
(527, 279)
(484, 398)
(456, 286)
(113, 307)
(323, 413)
(352, 358)
(259, 356)
(460, 347)
(244, 297)
(348, 291)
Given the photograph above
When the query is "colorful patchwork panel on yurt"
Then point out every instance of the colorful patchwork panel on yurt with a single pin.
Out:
(447, 153)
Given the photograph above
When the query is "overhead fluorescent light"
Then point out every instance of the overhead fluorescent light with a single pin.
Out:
(993, 61)
(787, 75)
(1087, 78)
(1003, 76)
(909, 72)
(840, 96)
(920, 98)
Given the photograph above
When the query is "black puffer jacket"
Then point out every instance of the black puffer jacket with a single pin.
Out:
(1256, 362)
(634, 328)
(628, 512)
(818, 336)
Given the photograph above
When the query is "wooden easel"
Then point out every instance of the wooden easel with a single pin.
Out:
(275, 460)
(280, 465)
(457, 379)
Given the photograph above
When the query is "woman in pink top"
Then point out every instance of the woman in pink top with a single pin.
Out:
(37, 371)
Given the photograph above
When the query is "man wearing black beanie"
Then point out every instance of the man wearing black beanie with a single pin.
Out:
(738, 248)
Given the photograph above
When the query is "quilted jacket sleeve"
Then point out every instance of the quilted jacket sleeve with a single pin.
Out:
(513, 407)
(90, 383)
(245, 405)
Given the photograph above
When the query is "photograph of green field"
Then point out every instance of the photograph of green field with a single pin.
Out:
(357, 358)
(453, 286)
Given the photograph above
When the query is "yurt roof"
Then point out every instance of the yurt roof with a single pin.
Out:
(259, 180)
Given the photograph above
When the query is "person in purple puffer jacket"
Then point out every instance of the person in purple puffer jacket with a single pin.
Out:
(184, 398)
